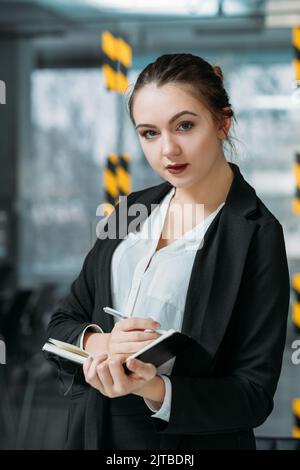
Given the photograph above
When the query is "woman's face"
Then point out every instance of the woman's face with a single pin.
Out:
(175, 127)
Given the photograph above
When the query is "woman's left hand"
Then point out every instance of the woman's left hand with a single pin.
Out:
(107, 374)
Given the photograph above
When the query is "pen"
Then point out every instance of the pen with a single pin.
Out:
(113, 312)
(117, 314)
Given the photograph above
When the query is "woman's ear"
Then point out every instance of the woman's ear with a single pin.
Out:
(224, 127)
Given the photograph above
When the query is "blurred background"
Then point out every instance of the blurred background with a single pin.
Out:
(67, 145)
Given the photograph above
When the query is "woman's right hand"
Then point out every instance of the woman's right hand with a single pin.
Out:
(127, 337)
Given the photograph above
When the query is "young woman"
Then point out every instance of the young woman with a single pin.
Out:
(208, 259)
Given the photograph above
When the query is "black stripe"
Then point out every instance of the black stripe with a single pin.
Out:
(297, 421)
(111, 166)
(109, 198)
(297, 294)
(123, 69)
(296, 53)
(108, 61)
(296, 329)
(124, 164)
(115, 65)
(297, 159)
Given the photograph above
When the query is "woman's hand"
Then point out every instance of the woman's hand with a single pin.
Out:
(128, 336)
(107, 374)
(105, 371)
(127, 332)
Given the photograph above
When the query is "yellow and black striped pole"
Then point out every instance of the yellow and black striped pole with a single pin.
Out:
(296, 413)
(123, 172)
(110, 182)
(116, 180)
(296, 303)
(116, 62)
(296, 46)
(296, 200)
(296, 209)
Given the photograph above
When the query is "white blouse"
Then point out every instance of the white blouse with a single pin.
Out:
(160, 290)
(154, 292)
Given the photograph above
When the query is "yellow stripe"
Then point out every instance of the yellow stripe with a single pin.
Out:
(296, 64)
(296, 407)
(126, 157)
(110, 183)
(115, 81)
(296, 432)
(297, 173)
(124, 180)
(122, 82)
(296, 37)
(296, 313)
(124, 177)
(296, 206)
(296, 282)
(113, 158)
(124, 53)
(110, 77)
(109, 45)
(117, 50)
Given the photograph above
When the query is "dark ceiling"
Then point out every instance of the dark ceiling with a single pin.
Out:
(60, 28)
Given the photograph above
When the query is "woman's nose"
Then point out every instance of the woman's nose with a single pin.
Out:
(170, 146)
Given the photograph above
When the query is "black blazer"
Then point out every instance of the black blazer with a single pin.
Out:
(236, 307)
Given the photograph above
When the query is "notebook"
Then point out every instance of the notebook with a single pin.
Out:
(168, 345)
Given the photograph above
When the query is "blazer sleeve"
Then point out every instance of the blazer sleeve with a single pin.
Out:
(74, 312)
(242, 397)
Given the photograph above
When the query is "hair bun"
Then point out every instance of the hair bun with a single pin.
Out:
(218, 71)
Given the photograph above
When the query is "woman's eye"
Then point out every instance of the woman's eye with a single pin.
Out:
(144, 134)
(185, 123)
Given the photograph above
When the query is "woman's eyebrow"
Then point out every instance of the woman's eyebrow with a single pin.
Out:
(171, 120)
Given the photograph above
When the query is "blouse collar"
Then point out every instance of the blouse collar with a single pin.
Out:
(190, 240)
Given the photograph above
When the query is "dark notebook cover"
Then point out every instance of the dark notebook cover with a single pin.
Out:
(168, 345)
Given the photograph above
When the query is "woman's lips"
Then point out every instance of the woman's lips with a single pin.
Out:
(177, 169)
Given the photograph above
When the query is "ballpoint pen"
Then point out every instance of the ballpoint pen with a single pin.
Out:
(117, 314)
(114, 312)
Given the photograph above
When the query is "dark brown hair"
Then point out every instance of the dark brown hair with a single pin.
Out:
(203, 80)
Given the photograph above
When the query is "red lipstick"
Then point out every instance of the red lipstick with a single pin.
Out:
(176, 169)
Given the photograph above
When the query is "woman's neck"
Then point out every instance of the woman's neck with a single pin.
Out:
(212, 191)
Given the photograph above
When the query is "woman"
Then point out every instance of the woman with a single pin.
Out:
(221, 277)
